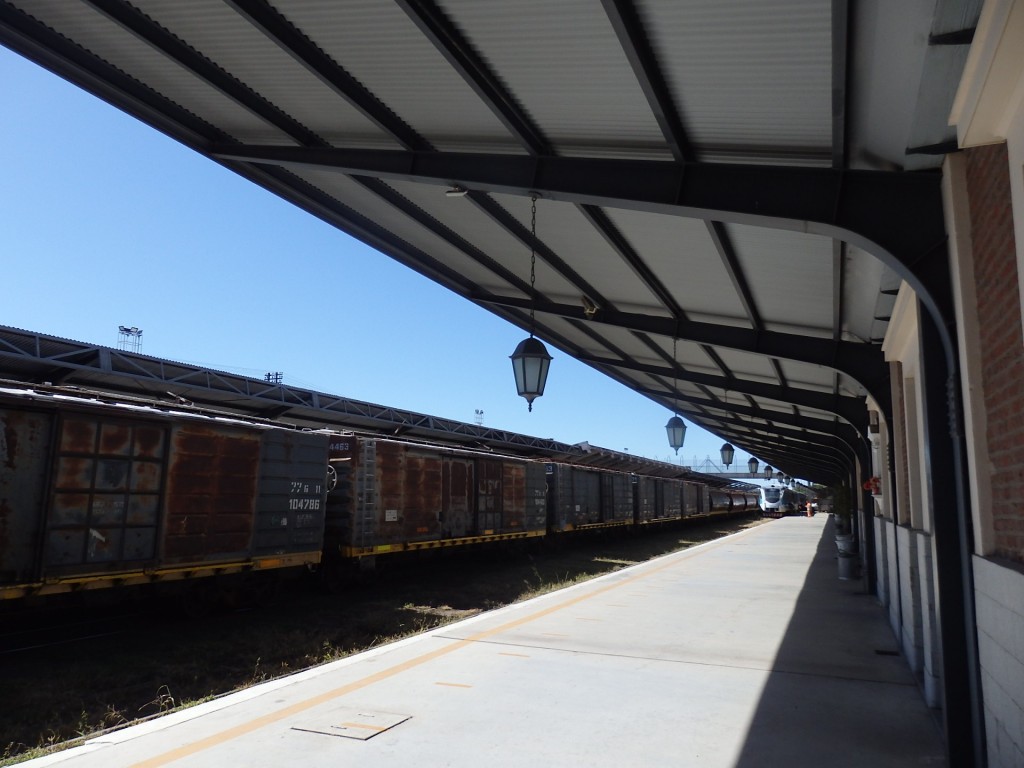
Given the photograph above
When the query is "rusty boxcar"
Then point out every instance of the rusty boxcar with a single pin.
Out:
(394, 496)
(101, 490)
(583, 497)
(99, 493)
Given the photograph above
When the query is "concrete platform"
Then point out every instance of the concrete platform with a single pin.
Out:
(747, 651)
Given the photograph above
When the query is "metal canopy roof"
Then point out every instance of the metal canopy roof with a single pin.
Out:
(752, 179)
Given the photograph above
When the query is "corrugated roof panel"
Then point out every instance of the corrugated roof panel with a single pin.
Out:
(747, 73)
(563, 63)
(97, 33)
(789, 274)
(243, 51)
(864, 275)
(380, 46)
(560, 226)
(499, 244)
(744, 364)
(682, 256)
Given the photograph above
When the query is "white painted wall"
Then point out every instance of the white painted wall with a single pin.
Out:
(999, 592)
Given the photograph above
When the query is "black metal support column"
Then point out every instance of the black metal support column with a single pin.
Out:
(866, 535)
(945, 468)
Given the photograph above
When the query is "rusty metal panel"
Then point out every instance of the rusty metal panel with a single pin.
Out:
(488, 496)
(105, 501)
(536, 516)
(408, 485)
(646, 499)
(616, 497)
(586, 488)
(390, 482)
(342, 499)
(457, 497)
(672, 500)
(423, 482)
(691, 499)
(513, 496)
(211, 492)
(25, 445)
(292, 492)
(563, 511)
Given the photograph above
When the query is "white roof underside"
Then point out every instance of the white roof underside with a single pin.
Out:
(752, 81)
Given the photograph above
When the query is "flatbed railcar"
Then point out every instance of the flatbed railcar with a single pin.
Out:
(100, 490)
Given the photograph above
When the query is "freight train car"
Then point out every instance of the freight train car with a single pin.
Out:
(581, 498)
(96, 494)
(98, 490)
(398, 496)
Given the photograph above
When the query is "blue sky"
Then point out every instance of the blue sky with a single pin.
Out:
(106, 222)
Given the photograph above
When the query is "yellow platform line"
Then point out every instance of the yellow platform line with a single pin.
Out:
(273, 717)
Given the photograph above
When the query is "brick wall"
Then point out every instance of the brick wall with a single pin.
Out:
(1002, 345)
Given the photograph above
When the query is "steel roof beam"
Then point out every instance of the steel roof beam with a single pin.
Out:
(843, 431)
(460, 53)
(293, 42)
(629, 28)
(821, 451)
(464, 59)
(865, 208)
(36, 41)
(599, 219)
(794, 439)
(727, 253)
(850, 408)
(861, 362)
(141, 26)
(770, 434)
(809, 458)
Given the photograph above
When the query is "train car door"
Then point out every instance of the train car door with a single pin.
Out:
(457, 497)
(488, 496)
(25, 441)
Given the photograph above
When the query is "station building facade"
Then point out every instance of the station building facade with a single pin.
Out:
(983, 195)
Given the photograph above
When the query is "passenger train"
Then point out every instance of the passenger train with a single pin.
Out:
(778, 500)
(98, 490)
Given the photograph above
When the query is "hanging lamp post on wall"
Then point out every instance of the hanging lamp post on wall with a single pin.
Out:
(676, 427)
(767, 472)
(752, 465)
(530, 361)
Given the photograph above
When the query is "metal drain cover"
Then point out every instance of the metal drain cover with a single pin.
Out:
(352, 723)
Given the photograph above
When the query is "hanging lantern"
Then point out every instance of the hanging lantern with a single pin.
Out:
(767, 472)
(530, 364)
(676, 429)
(530, 361)
(752, 465)
(727, 453)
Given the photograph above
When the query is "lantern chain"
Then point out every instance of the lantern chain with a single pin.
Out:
(533, 261)
(675, 390)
